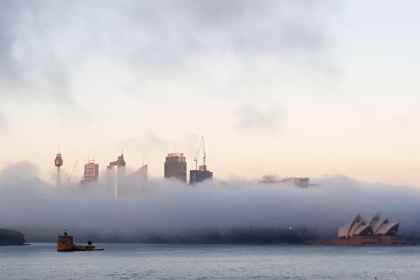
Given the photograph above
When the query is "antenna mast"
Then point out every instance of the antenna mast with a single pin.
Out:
(204, 150)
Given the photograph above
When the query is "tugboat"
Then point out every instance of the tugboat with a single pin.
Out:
(65, 243)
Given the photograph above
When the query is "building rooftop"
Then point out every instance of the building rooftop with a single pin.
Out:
(360, 227)
(177, 156)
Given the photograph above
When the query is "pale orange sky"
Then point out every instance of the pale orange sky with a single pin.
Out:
(342, 101)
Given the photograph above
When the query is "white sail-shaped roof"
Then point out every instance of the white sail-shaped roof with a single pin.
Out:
(343, 232)
(356, 226)
(375, 222)
(376, 226)
(363, 230)
(388, 229)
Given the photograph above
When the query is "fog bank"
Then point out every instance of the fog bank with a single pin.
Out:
(163, 207)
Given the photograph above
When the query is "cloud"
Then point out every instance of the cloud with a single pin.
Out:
(42, 42)
(261, 119)
(19, 171)
(49, 49)
(7, 38)
(171, 208)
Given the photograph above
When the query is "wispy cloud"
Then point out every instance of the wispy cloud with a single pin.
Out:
(47, 47)
(259, 119)
(42, 42)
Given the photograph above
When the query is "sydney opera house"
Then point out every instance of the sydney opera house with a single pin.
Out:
(377, 231)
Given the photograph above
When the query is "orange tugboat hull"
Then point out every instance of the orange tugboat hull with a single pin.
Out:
(65, 243)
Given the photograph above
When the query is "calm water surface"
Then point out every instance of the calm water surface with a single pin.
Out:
(139, 261)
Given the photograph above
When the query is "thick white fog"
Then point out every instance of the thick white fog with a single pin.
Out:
(42, 211)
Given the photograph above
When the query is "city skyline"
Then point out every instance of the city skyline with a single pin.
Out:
(209, 139)
(293, 88)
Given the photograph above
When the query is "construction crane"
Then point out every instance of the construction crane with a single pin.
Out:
(202, 148)
(203, 143)
(200, 173)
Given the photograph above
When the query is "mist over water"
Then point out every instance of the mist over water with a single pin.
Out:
(168, 208)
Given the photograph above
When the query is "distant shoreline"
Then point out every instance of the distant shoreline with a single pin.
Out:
(11, 238)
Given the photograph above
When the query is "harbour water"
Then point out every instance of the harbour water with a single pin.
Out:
(144, 261)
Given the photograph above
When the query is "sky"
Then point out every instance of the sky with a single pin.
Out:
(286, 87)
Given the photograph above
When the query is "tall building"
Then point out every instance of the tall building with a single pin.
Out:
(176, 167)
(58, 162)
(200, 175)
(91, 172)
(301, 182)
(120, 165)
